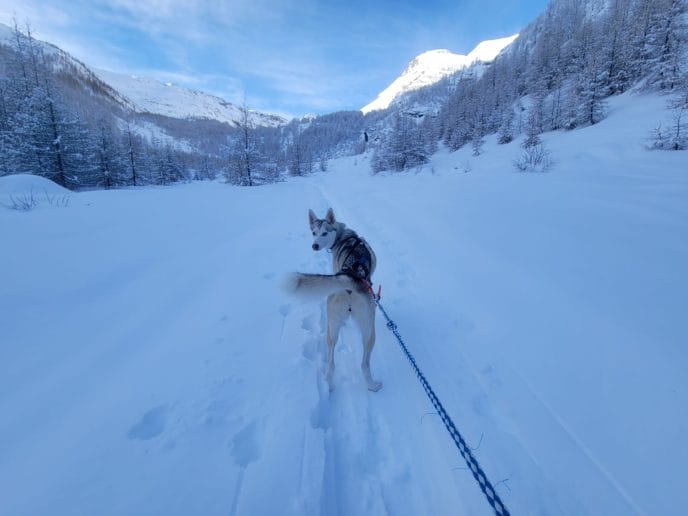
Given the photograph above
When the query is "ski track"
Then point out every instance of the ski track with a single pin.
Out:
(365, 470)
(376, 423)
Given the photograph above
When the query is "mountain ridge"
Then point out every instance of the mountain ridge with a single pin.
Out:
(432, 66)
(149, 95)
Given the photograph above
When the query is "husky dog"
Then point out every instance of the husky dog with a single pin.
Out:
(353, 264)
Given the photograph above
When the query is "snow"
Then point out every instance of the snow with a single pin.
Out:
(150, 363)
(487, 50)
(26, 184)
(148, 95)
(154, 133)
(6, 34)
(432, 66)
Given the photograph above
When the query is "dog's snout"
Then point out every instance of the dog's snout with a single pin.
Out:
(316, 247)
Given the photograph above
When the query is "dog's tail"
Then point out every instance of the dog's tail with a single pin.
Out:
(317, 286)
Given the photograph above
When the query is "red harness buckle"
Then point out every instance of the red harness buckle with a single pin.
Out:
(369, 287)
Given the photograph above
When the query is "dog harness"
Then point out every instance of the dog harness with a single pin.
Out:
(357, 263)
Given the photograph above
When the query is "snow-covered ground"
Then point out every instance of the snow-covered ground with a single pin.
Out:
(150, 363)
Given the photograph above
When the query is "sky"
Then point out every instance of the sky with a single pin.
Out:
(284, 57)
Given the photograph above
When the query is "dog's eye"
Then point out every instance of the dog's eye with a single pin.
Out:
(313, 233)
(323, 234)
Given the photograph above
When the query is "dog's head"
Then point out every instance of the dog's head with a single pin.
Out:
(324, 230)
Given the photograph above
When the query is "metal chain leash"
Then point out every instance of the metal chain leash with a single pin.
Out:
(478, 473)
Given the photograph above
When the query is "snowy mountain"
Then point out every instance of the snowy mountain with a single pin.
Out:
(141, 94)
(148, 95)
(432, 66)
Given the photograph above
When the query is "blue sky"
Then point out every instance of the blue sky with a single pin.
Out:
(288, 57)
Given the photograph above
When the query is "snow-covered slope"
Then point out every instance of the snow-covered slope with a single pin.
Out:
(151, 96)
(150, 363)
(145, 95)
(79, 76)
(432, 66)
(26, 184)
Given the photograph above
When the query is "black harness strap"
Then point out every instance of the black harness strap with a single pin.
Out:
(360, 268)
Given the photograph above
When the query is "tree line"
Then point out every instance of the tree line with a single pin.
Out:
(49, 129)
(555, 76)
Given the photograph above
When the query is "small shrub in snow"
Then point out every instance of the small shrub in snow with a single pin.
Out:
(28, 201)
(673, 138)
(57, 201)
(23, 202)
(658, 138)
(535, 158)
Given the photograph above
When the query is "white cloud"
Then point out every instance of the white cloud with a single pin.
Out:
(29, 11)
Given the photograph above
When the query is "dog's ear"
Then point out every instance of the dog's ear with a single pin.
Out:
(311, 217)
(330, 216)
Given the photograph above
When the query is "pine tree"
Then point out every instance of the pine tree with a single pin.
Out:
(110, 162)
(300, 159)
(477, 143)
(132, 161)
(615, 46)
(678, 134)
(404, 147)
(534, 123)
(245, 153)
(592, 105)
(506, 129)
(670, 37)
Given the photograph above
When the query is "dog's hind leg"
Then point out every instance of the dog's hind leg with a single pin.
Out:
(365, 363)
(365, 318)
(335, 321)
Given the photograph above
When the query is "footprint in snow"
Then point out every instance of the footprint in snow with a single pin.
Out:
(151, 425)
(491, 376)
(308, 323)
(310, 349)
(218, 413)
(246, 444)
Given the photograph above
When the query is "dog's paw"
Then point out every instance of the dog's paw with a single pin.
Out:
(374, 386)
